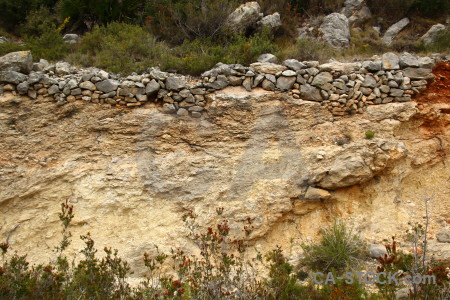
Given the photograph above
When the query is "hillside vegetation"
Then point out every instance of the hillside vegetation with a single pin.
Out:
(190, 36)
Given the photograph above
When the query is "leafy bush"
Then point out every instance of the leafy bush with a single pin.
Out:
(8, 47)
(12, 12)
(442, 42)
(119, 47)
(338, 249)
(85, 14)
(38, 22)
(309, 49)
(202, 54)
(370, 134)
(176, 21)
(49, 45)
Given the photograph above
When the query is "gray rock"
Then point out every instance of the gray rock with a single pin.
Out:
(248, 83)
(182, 112)
(393, 31)
(42, 65)
(396, 92)
(35, 77)
(71, 38)
(267, 57)
(308, 92)
(339, 67)
(107, 85)
(141, 98)
(3, 40)
(322, 78)
(268, 85)
(53, 89)
(372, 66)
(418, 73)
(157, 74)
(289, 73)
(426, 62)
(315, 194)
(152, 87)
(72, 84)
(196, 114)
(258, 79)
(23, 87)
(245, 16)
(87, 85)
(76, 92)
(285, 83)
(20, 61)
(356, 10)
(443, 235)
(218, 84)
(12, 77)
(408, 60)
(377, 250)
(391, 61)
(175, 83)
(235, 80)
(62, 68)
(268, 68)
(335, 30)
(370, 82)
(294, 64)
(272, 21)
(432, 33)
(169, 108)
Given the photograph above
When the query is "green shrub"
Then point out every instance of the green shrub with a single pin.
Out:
(85, 14)
(121, 48)
(8, 47)
(49, 45)
(370, 134)
(38, 22)
(202, 54)
(442, 42)
(176, 21)
(309, 49)
(338, 249)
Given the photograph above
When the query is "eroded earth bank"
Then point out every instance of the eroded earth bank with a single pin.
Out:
(289, 164)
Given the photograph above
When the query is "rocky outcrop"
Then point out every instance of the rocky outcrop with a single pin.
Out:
(271, 22)
(430, 36)
(335, 30)
(17, 61)
(393, 31)
(245, 16)
(356, 10)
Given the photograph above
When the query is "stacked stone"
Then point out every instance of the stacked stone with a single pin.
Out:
(344, 88)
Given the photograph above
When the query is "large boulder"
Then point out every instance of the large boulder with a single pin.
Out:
(20, 61)
(245, 16)
(272, 21)
(431, 34)
(393, 31)
(12, 77)
(335, 30)
(71, 38)
(356, 10)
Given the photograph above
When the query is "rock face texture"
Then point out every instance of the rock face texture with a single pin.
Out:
(394, 30)
(430, 36)
(335, 30)
(244, 16)
(288, 163)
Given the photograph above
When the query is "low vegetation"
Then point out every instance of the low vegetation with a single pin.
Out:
(189, 37)
(223, 270)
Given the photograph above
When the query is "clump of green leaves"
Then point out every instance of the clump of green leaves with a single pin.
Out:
(338, 249)
(369, 134)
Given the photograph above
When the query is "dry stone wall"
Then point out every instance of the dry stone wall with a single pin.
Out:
(344, 88)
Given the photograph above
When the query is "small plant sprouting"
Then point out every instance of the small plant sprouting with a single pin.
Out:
(370, 134)
(65, 216)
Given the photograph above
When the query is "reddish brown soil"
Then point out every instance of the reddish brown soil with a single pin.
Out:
(434, 102)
